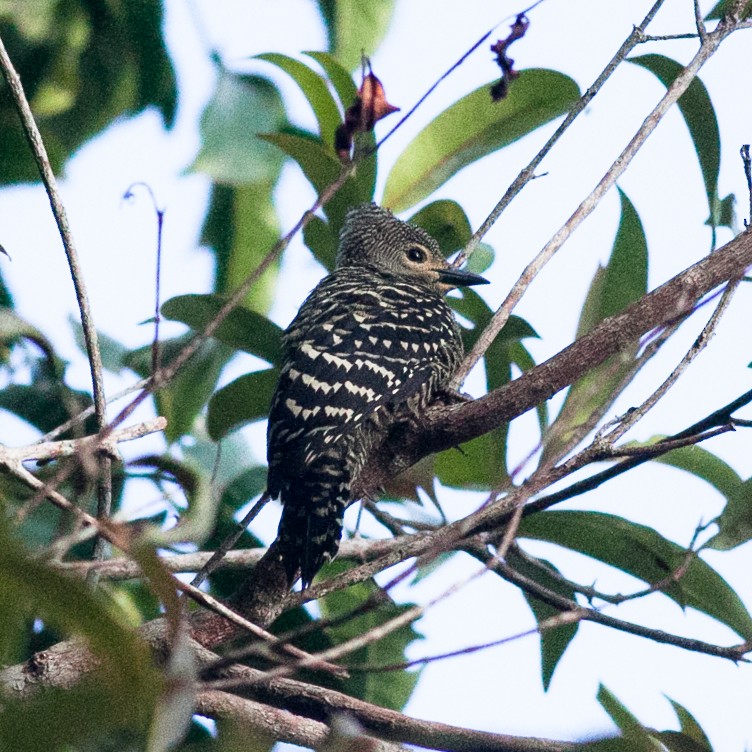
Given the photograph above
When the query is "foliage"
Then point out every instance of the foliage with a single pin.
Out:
(87, 63)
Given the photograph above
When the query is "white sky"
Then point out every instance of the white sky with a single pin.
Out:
(499, 689)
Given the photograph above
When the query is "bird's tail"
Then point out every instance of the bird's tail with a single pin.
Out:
(309, 534)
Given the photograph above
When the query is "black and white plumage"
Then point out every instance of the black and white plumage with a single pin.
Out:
(372, 345)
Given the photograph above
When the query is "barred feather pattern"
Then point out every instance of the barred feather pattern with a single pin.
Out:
(368, 349)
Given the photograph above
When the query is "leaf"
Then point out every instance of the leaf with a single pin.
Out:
(111, 351)
(622, 281)
(322, 168)
(241, 226)
(704, 465)
(231, 152)
(689, 726)
(622, 718)
(472, 128)
(322, 242)
(390, 689)
(355, 28)
(735, 521)
(184, 397)
(338, 76)
(699, 115)
(242, 329)
(72, 607)
(82, 69)
(555, 641)
(314, 89)
(13, 327)
(242, 401)
(445, 221)
(724, 6)
(642, 552)
(482, 463)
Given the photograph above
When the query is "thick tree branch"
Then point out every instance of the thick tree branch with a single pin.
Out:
(445, 427)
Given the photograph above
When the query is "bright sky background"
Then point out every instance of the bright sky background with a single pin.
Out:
(497, 689)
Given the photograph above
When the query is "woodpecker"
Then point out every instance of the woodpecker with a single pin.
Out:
(371, 346)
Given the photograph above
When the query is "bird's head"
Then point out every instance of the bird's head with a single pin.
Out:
(372, 236)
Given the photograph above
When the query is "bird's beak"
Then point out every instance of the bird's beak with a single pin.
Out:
(460, 278)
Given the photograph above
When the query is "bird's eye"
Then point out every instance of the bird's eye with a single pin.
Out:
(416, 254)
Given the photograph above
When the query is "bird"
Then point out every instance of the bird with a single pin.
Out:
(372, 346)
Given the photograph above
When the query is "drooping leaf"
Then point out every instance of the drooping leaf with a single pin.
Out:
(322, 168)
(735, 521)
(82, 68)
(242, 329)
(355, 28)
(231, 152)
(482, 463)
(704, 465)
(699, 115)
(315, 91)
(622, 281)
(642, 552)
(390, 689)
(446, 221)
(111, 351)
(321, 241)
(472, 128)
(338, 76)
(13, 328)
(241, 227)
(242, 401)
(183, 398)
(555, 641)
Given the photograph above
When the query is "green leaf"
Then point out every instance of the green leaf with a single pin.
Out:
(242, 329)
(242, 401)
(689, 726)
(482, 462)
(46, 403)
(699, 115)
(111, 351)
(723, 212)
(622, 718)
(472, 128)
(642, 552)
(555, 641)
(241, 227)
(622, 281)
(315, 91)
(447, 222)
(231, 152)
(338, 76)
(735, 521)
(724, 6)
(72, 607)
(183, 398)
(83, 67)
(704, 465)
(390, 689)
(322, 168)
(355, 28)
(322, 242)
(13, 328)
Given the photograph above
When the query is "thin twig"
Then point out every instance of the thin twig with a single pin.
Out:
(735, 652)
(588, 205)
(636, 414)
(229, 541)
(528, 173)
(104, 482)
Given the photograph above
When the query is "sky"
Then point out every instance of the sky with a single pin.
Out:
(497, 689)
